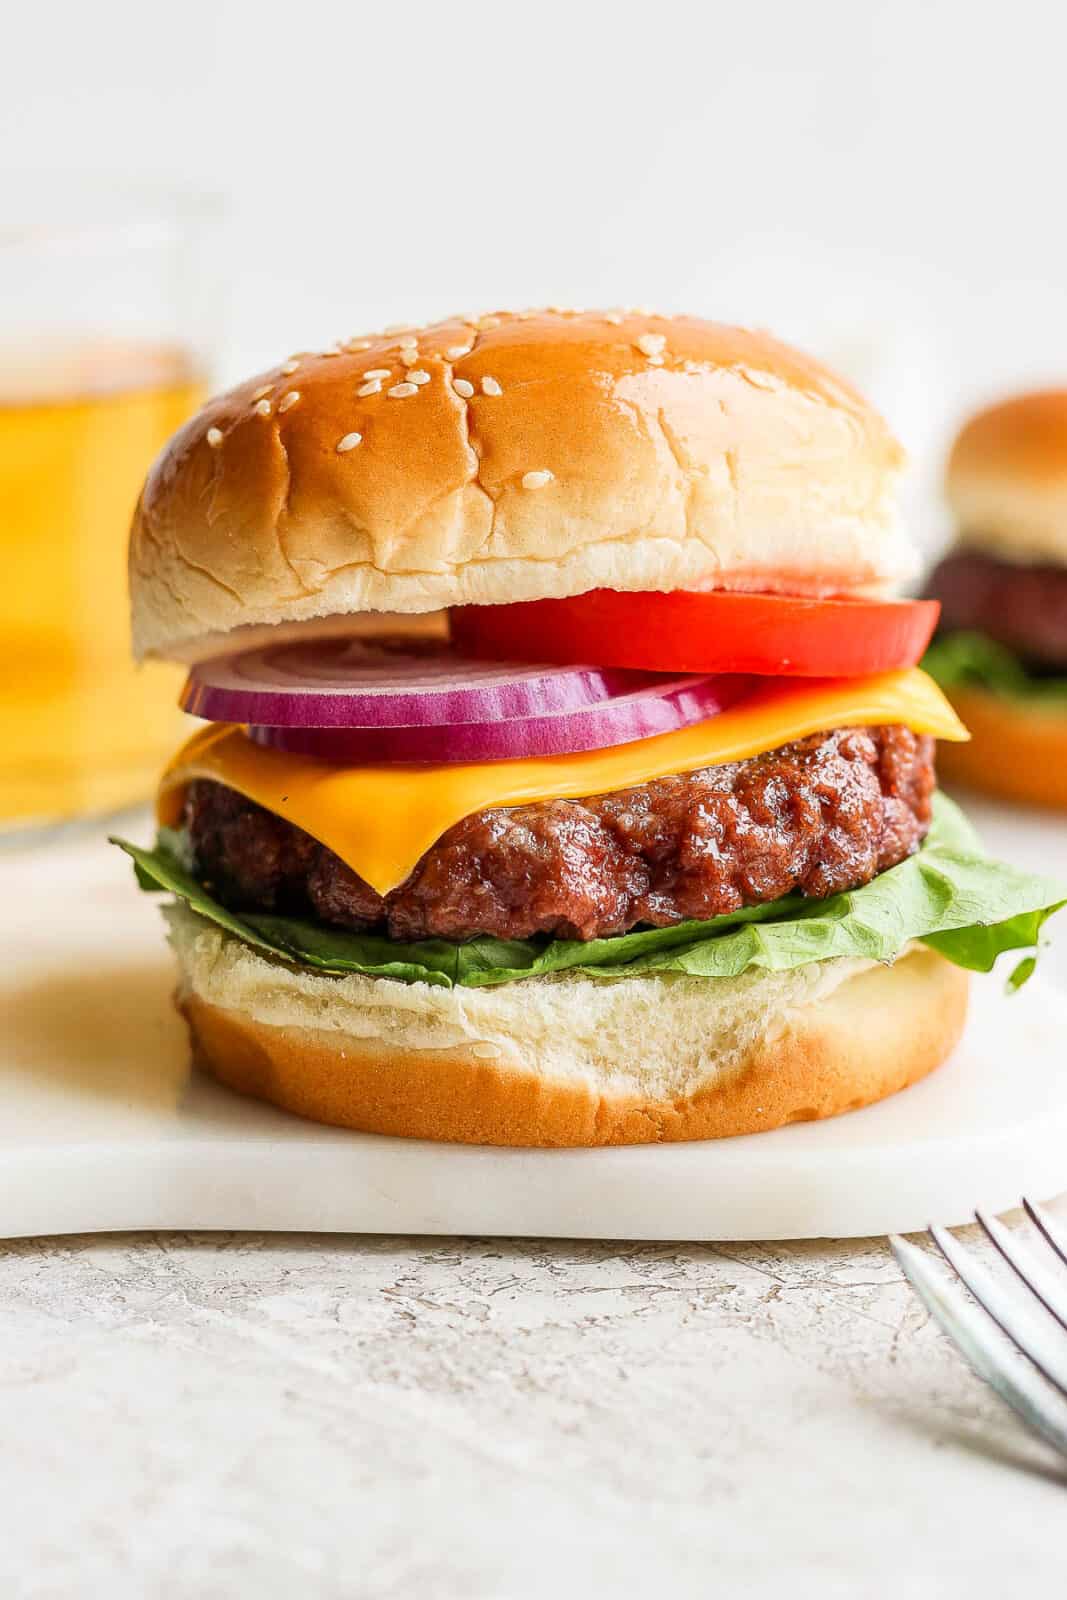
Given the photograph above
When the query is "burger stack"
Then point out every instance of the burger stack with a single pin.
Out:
(567, 776)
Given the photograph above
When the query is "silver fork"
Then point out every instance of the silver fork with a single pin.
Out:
(1024, 1313)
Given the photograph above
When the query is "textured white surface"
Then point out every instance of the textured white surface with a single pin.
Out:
(210, 1416)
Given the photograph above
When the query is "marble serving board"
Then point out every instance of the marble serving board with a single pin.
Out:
(103, 1126)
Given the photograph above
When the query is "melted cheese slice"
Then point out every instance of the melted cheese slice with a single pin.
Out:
(381, 819)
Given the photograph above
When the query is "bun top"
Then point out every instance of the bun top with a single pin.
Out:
(1007, 478)
(512, 457)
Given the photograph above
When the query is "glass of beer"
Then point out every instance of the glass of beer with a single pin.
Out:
(105, 335)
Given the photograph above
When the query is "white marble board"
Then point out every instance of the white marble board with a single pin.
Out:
(103, 1128)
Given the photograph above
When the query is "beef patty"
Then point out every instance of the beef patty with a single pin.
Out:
(824, 814)
(1021, 607)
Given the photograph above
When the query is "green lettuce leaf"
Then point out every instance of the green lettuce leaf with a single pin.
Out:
(962, 660)
(950, 895)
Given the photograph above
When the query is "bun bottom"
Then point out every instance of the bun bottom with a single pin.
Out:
(1016, 751)
(725, 1057)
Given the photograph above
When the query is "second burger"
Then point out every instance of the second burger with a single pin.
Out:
(1001, 647)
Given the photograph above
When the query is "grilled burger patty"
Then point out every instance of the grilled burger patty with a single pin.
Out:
(823, 814)
(1021, 607)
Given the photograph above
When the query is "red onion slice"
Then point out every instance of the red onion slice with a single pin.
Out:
(360, 683)
(663, 708)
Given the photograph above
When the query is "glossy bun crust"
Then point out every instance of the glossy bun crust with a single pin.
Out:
(510, 457)
(1017, 751)
(1007, 478)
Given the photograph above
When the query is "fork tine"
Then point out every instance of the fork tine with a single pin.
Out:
(1042, 1218)
(1036, 1341)
(1049, 1288)
(970, 1331)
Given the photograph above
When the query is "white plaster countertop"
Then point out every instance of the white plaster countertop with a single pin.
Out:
(218, 1416)
(224, 1415)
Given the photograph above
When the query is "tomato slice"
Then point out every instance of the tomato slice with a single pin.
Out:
(715, 632)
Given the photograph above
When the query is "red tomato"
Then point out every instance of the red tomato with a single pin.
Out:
(716, 632)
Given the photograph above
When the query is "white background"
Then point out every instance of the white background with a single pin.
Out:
(883, 182)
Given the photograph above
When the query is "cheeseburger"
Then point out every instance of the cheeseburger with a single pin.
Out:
(1001, 649)
(566, 776)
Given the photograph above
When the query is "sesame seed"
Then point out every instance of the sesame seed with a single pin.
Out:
(490, 386)
(487, 322)
(289, 400)
(214, 437)
(456, 352)
(463, 388)
(655, 361)
(262, 408)
(359, 344)
(379, 372)
(349, 442)
(650, 344)
(538, 479)
(334, 350)
(373, 386)
(400, 391)
(290, 366)
(264, 388)
(614, 317)
(418, 377)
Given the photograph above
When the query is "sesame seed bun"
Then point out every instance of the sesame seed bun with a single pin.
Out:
(1017, 749)
(567, 1060)
(512, 457)
(1007, 478)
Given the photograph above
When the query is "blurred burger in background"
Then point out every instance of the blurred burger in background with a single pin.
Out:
(1000, 651)
(650, 847)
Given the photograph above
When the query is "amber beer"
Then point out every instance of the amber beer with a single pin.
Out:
(82, 731)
